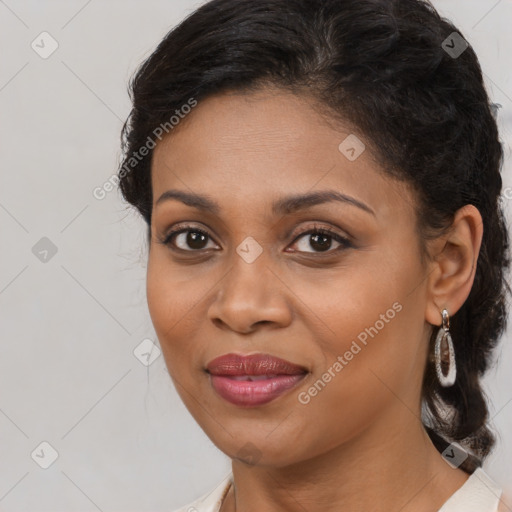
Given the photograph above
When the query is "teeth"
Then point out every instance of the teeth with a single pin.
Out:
(252, 377)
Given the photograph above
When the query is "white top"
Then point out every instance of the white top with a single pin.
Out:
(479, 493)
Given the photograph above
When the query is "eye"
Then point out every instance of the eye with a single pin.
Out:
(190, 236)
(196, 239)
(319, 240)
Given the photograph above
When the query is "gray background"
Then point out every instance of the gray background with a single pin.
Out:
(72, 320)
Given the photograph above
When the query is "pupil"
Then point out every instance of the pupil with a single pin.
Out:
(194, 238)
(319, 241)
(323, 245)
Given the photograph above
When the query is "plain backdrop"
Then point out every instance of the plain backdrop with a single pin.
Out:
(75, 385)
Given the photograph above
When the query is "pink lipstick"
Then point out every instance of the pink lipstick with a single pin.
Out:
(254, 379)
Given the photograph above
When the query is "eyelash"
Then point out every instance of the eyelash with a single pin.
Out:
(345, 242)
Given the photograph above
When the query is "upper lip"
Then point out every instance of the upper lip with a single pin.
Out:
(254, 364)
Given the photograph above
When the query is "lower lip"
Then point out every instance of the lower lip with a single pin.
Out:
(250, 393)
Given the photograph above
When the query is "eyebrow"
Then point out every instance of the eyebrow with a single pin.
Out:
(285, 205)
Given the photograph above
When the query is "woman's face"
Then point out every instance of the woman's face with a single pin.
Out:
(350, 313)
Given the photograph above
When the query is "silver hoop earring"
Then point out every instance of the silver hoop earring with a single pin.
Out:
(443, 347)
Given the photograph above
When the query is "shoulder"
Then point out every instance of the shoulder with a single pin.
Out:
(479, 493)
(212, 500)
(502, 506)
(489, 492)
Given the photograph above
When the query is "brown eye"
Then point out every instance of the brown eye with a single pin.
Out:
(187, 238)
(320, 240)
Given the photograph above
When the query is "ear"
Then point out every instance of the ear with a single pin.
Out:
(452, 270)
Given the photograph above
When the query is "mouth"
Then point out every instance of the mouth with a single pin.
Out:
(254, 379)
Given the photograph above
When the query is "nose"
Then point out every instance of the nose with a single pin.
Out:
(249, 295)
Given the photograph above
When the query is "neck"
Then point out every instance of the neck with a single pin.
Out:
(376, 470)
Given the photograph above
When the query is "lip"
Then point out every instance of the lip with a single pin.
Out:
(230, 377)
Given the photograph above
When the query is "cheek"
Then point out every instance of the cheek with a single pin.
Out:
(168, 305)
(169, 296)
(159, 295)
(176, 305)
(366, 324)
(354, 303)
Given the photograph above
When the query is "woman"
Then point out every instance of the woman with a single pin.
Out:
(327, 249)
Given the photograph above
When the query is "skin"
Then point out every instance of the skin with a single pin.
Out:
(359, 443)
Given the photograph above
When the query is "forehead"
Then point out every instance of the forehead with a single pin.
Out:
(246, 148)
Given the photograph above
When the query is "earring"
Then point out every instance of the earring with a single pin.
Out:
(444, 345)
